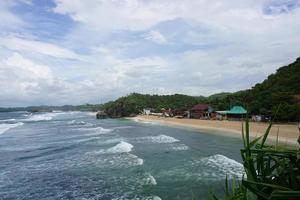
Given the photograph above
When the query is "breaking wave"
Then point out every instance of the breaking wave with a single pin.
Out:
(161, 139)
(7, 120)
(211, 168)
(97, 130)
(150, 180)
(121, 147)
(222, 164)
(41, 117)
(6, 127)
(74, 122)
(178, 147)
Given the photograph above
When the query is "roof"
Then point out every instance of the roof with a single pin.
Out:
(237, 110)
(201, 107)
(222, 111)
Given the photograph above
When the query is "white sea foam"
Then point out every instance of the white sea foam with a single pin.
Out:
(152, 198)
(97, 130)
(211, 168)
(162, 139)
(150, 180)
(178, 147)
(122, 147)
(41, 117)
(7, 120)
(123, 160)
(74, 122)
(6, 127)
(224, 165)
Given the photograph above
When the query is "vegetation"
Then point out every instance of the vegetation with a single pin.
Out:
(263, 98)
(279, 88)
(134, 103)
(271, 173)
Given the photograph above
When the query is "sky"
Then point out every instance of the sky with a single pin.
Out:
(56, 52)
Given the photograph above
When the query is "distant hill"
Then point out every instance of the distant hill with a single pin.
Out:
(264, 98)
(281, 88)
(85, 107)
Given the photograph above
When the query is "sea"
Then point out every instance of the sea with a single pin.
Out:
(72, 155)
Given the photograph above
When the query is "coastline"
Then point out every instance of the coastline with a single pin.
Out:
(287, 133)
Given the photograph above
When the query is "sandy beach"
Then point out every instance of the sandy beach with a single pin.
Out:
(287, 133)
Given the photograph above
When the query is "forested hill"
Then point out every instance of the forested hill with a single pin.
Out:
(279, 88)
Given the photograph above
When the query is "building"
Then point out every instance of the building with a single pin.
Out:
(201, 111)
(235, 113)
(147, 111)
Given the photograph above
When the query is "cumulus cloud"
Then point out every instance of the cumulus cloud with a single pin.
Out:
(195, 47)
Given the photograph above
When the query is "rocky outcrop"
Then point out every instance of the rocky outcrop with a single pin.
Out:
(101, 115)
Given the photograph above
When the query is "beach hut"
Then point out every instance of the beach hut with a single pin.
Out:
(235, 113)
(147, 111)
(201, 111)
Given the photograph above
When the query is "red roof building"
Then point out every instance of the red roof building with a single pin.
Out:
(200, 111)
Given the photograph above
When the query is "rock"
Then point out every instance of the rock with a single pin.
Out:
(101, 115)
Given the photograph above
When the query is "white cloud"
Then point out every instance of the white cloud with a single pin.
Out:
(156, 36)
(212, 47)
(19, 44)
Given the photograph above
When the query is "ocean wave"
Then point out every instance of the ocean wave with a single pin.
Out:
(74, 122)
(41, 117)
(152, 198)
(121, 147)
(97, 130)
(149, 180)
(6, 127)
(161, 139)
(224, 165)
(212, 168)
(7, 120)
(122, 160)
(178, 147)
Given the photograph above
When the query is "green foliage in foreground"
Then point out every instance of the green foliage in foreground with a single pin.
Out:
(271, 174)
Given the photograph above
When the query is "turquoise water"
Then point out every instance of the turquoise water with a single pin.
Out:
(71, 155)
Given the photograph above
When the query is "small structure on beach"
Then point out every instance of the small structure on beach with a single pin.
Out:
(235, 113)
(147, 111)
(201, 111)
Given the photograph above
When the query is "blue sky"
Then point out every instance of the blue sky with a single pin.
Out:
(72, 52)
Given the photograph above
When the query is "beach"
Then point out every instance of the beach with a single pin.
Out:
(287, 133)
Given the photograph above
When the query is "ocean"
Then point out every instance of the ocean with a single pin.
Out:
(71, 155)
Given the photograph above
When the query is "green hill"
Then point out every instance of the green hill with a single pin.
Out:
(264, 98)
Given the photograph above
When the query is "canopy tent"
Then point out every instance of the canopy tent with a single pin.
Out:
(238, 110)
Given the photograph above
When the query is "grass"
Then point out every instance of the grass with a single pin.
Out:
(272, 173)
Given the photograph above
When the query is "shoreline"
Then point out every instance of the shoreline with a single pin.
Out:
(287, 133)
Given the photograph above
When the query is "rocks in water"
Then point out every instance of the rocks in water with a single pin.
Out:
(101, 115)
